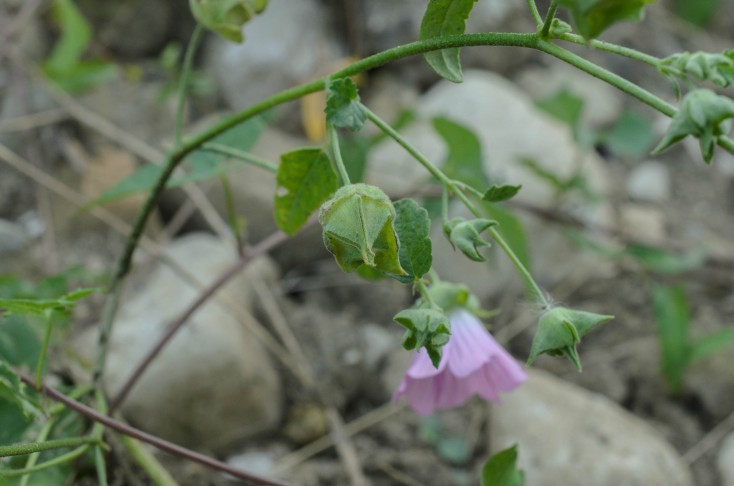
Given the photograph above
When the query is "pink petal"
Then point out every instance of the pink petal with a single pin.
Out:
(471, 345)
(422, 366)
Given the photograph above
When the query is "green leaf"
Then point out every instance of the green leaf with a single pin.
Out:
(501, 469)
(75, 37)
(464, 160)
(203, 164)
(14, 391)
(631, 136)
(704, 115)
(226, 17)
(42, 307)
(413, 227)
(512, 230)
(673, 320)
(702, 66)
(592, 17)
(465, 235)
(19, 343)
(560, 329)
(305, 179)
(564, 106)
(343, 108)
(663, 262)
(697, 12)
(444, 18)
(425, 328)
(501, 193)
(358, 229)
(710, 344)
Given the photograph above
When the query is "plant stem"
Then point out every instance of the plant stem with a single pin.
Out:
(545, 30)
(613, 48)
(232, 214)
(338, 156)
(44, 350)
(184, 82)
(242, 155)
(157, 473)
(534, 12)
(100, 467)
(425, 294)
(524, 273)
(30, 448)
(69, 456)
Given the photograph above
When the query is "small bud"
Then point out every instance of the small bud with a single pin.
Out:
(358, 229)
(425, 328)
(464, 235)
(226, 17)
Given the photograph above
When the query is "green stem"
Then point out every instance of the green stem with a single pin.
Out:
(56, 461)
(425, 294)
(613, 48)
(44, 350)
(445, 204)
(232, 214)
(242, 155)
(184, 82)
(30, 448)
(99, 465)
(545, 30)
(147, 461)
(338, 156)
(534, 12)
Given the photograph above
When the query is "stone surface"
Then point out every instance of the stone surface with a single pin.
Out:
(213, 383)
(650, 182)
(725, 460)
(643, 222)
(569, 436)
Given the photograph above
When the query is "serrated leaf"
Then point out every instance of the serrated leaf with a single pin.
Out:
(305, 179)
(673, 321)
(203, 164)
(501, 193)
(704, 115)
(464, 160)
(226, 17)
(501, 469)
(592, 17)
(444, 18)
(413, 227)
(343, 108)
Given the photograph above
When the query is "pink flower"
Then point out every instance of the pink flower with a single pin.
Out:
(473, 363)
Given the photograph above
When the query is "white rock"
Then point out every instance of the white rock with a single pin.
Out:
(285, 45)
(213, 383)
(567, 435)
(643, 222)
(725, 460)
(650, 182)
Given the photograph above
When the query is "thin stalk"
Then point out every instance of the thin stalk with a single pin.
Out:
(534, 12)
(445, 204)
(425, 294)
(147, 461)
(99, 465)
(242, 155)
(338, 156)
(232, 214)
(44, 350)
(613, 48)
(524, 273)
(545, 30)
(56, 461)
(30, 448)
(184, 82)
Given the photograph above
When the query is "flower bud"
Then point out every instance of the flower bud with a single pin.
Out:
(464, 235)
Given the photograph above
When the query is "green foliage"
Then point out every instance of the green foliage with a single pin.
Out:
(704, 115)
(631, 136)
(413, 227)
(13, 390)
(343, 108)
(444, 18)
(65, 65)
(44, 307)
(697, 12)
(305, 179)
(169, 61)
(559, 331)
(512, 230)
(226, 17)
(701, 66)
(501, 469)
(575, 182)
(592, 17)
(464, 160)
(664, 262)
(678, 351)
(565, 107)
(466, 235)
(203, 164)
(500, 193)
(358, 229)
(425, 328)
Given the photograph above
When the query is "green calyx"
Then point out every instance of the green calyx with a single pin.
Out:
(449, 296)
(226, 17)
(559, 331)
(465, 235)
(358, 229)
(425, 328)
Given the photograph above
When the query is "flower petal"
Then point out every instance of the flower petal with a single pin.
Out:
(422, 366)
(470, 344)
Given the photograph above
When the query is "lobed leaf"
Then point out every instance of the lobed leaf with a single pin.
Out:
(343, 108)
(445, 18)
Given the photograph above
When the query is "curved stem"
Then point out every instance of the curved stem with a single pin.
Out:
(69, 456)
(241, 155)
(613, 48)
(338, 156)
(534, 12)
(22, 449)
(545, 30)
(184, 81)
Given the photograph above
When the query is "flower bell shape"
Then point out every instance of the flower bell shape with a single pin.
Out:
(473, 363)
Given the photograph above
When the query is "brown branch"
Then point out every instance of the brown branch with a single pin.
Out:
(156, 442)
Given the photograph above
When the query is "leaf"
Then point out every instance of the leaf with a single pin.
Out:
(226, 17)
(704, 115)
(697, 12)
(343, 108)
(501, 193)
(425, 328)
(501, 469)
(563, 106)
(203, 164)
(672, 320)
(464, 160)
(631, 136)
(42, 307)
(19, 343)
(413, 227)
(305, 179)
(358, 229)
(592, 17)
(465, 235)
(703, 66)
(14, 391)
(663, 262)
(710, 344)
(75, 37)
(444, 18)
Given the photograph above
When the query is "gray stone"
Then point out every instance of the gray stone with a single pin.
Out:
(725, 460)
(650, 182)
(12, 237)
(643, 222)
(569, 436)
(213, 383)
